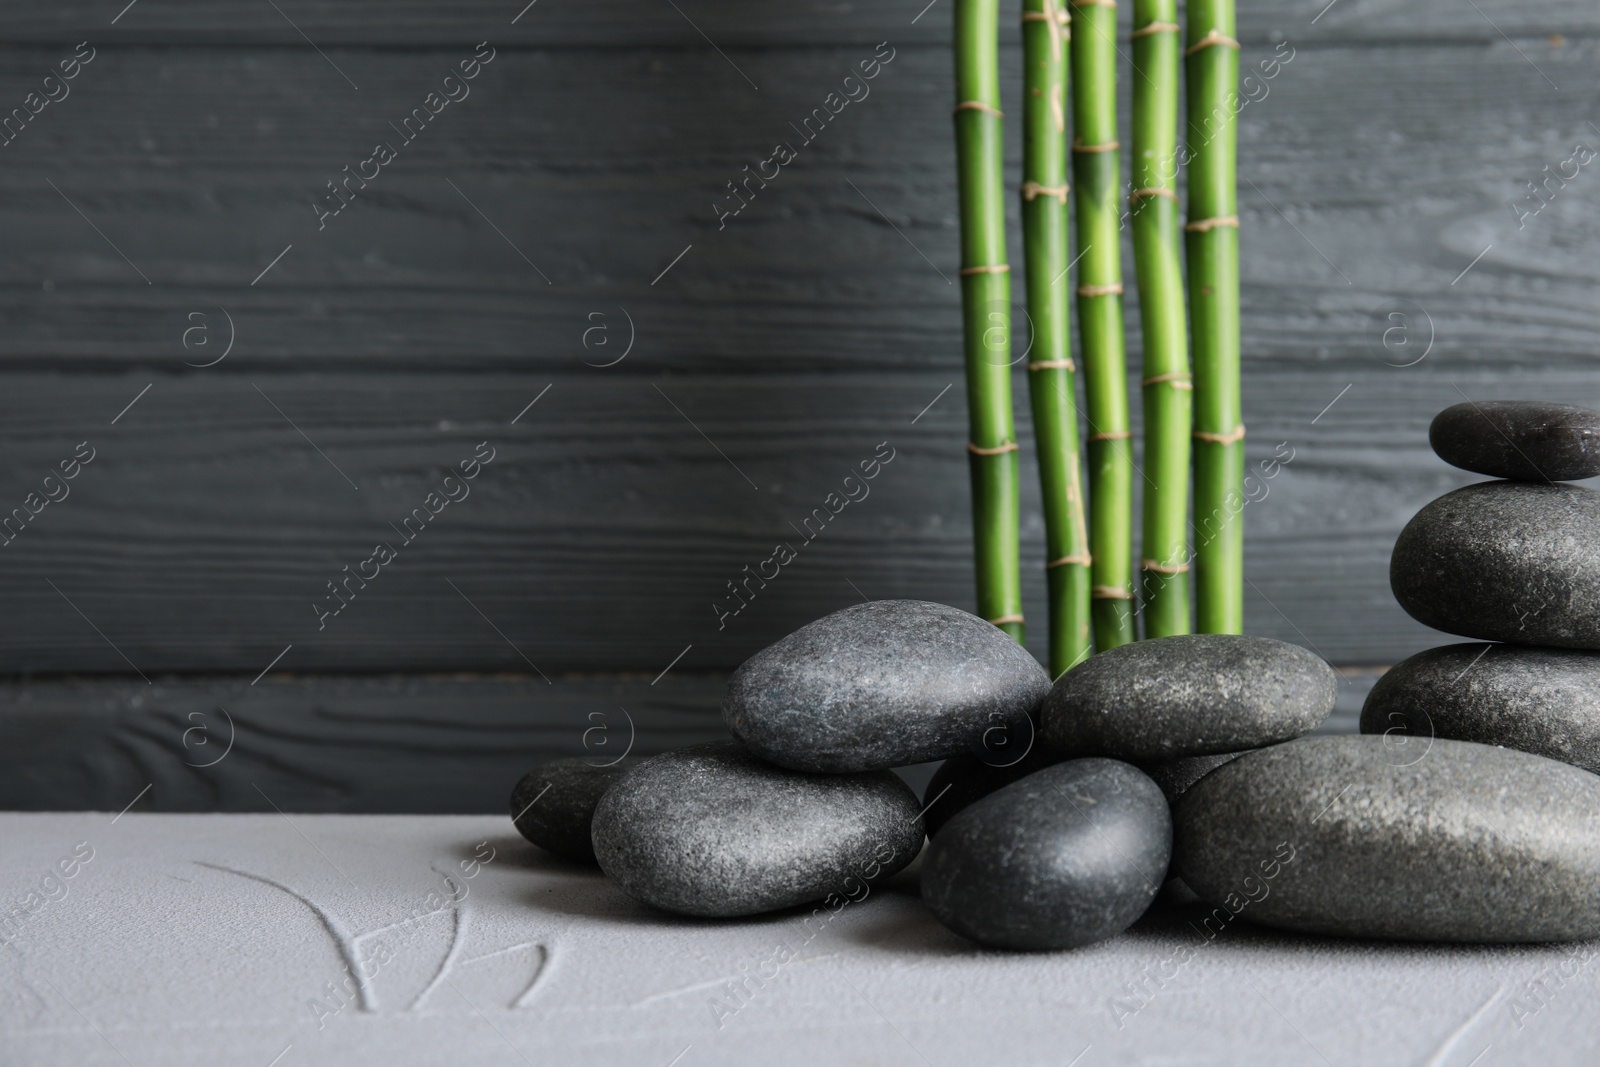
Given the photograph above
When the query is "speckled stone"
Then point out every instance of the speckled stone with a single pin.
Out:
(1176, 776)
(1528, 440)
(961, 781)
(1505, 561)
(1069, 855)
(883, 684)
(713, 831)
(1540, 700)
(1338, 835)
(1193, 695)
(553, 804)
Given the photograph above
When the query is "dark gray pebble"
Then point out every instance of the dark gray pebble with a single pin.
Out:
(961, 781)
(1193, 695)
(1528, 440)
(1350, 836)
(553, 804)
(1176, 776)
(713, 831)
(884, 684)
(1540, 700)
(1505, 561)
(1069, 855)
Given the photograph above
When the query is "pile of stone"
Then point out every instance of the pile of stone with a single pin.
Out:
(1062, 811)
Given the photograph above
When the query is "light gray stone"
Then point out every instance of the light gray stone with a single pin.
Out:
(711, 830)
(1540, 700)
(1193, 695)
(1505, 561)
(884, 684)
(553, 804)
(1350, 836)
(1528, 440)
(1066, 856)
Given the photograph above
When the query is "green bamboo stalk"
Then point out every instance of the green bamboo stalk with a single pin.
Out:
(1168, 389)
(986, 316)
(1097, 174)
(1045, 34)
(1213, 254)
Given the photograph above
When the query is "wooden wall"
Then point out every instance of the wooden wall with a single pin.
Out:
(562, 214)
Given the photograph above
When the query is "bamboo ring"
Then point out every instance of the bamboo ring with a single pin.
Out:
(1009, 446)
(1156, 27)
(1114, 289)
(1163, 568)
(1114, 435)
(993, 268)
(1150, 191)
(1210, 39)
(1207, 225)
(1061, 17)
(1109, 592)
(1094, 3)
(1109, 146)
(1006, 618)
(1031, 190)
(1053, 364)
(1232, 437)
(1083, 559)
(979, 105)
(1179, 378)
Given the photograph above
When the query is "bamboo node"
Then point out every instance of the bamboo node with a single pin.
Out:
(1082, 559)
(1009, 446)
(1031, 190)
(1210, 39)
(993, 268)
(1003, 619)
(1109, 146)
(1114, 289)
(1164, 568)
(1156, 27)
(979, 105)
(1231, 437)
(1113, 435)
(1109, 592)
(1206, 225)
(1181, 379)
(1149, 191)
(1053, 364)
(1094, 3)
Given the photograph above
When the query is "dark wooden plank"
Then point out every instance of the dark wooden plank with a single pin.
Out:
(725, 22)
(202, 178)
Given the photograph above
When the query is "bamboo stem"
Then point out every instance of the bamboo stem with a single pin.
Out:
(1096, 173)
(1167, 389)
(1045, 36)
(986, 316)
(1213, 254)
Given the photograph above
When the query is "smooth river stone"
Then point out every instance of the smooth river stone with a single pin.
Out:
(1505, 561)
(553, 804)
(1193, 695)
(713, 831)
(1528, 440)
(1176, 777)
(1540, 700)
(962, 781)
(1069, 855)
(1343, 836)
(883, 684)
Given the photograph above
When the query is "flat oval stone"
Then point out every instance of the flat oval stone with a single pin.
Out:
(1066, 856)
(883, 684)
(1191, 695)
(961, 781)
(1527, 440)
(711, 830)
(1341, 835)
(1505, 561)
(1540, 700)
(553, 804)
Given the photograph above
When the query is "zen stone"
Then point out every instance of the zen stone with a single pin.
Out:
(884, 684)
(553, 804)
(1176, 776)
(1193, 695)
(1067, 856)
(1528, 440)
(961, 781)
(1540, 700)
(1348, 836)
(1505, 561)
(713, 831)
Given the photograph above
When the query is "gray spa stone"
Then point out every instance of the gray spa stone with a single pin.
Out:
(962, 781)
(1069, 855)
(711, 830)
(1347, 836)
(553, 804)
(1505, 561)
(1528, 440)
(1540, 700)
(883, 684)
(1176, 776)
(1193, 695)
